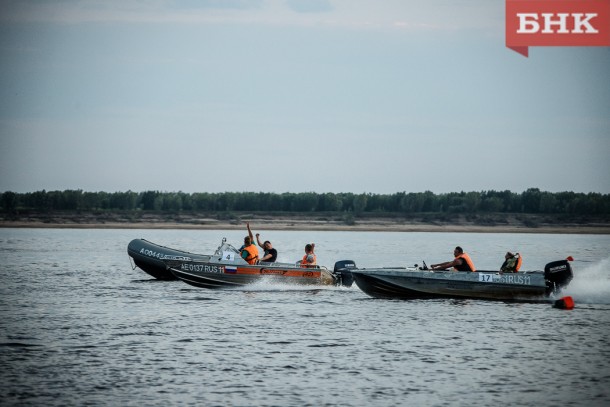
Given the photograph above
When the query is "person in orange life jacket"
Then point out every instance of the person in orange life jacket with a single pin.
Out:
(249, 235)
(249, 252)
(310, 257)
(461, 262)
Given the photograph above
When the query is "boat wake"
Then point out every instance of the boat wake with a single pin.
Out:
(591, 284)
(263, 285)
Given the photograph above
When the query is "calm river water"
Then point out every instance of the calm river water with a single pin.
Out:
(79, 327)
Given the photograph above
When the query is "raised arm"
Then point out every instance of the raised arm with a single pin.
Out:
(250, 232)
(258, 240)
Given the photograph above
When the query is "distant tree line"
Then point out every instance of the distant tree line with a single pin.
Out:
(531, 201)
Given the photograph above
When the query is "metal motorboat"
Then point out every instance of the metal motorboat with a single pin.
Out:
(421, 282)
(226, 268)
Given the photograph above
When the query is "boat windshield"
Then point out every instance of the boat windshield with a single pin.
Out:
(224, 248)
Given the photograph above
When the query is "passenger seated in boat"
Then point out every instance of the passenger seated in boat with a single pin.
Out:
(512, 263)
(461, 262)
(270, 253)
(250, 235)
(249, 252)
(309, 260)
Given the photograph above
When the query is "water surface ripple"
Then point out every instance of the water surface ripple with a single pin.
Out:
(80, 327)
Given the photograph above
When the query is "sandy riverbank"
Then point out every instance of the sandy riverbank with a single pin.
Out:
(508, 224)
(356, 228)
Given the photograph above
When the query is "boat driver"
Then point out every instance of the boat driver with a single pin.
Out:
(461, 262)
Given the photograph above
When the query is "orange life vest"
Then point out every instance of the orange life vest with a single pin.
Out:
(252, 254)
(519, 261)
(469, 266)
(305, 263)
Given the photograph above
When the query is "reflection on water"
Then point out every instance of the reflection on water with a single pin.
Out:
(80, 327)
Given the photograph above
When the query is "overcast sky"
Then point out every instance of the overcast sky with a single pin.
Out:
(293, 96)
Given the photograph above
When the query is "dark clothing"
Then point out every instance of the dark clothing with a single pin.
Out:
(273, 254)
(463, 267)
(509, 265)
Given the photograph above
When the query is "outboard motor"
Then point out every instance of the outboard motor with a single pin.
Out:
(557, 275)
(342, 272)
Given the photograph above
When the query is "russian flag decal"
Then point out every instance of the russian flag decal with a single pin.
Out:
(230, 269)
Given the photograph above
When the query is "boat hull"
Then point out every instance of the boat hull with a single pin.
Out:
(218, 275)
(150, 258)
(225, 268)
(401, 284)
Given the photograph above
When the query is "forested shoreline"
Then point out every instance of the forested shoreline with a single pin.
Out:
(531, 201)
(532, 210)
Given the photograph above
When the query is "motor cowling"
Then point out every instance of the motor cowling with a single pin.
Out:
(558, 275)
(342, 272)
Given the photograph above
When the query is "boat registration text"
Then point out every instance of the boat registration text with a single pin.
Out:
(505, 278)
(201, 267)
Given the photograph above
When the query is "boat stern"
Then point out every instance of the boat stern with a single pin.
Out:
(557, 275)
(343, 272)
